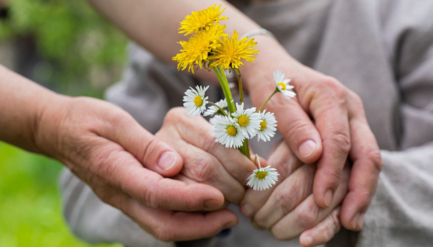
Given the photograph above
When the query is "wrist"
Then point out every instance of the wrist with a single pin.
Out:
(47, 122)
(271, 56)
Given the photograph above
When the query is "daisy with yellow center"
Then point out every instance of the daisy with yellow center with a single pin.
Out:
(248, 120)
(201, 20)
(268, 126)
(195, 51)
(228, 132)
(283, 85)
(194, 100)
(262, 178)
(232, 50)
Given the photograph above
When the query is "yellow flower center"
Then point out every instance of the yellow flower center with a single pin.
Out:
(263, 125)
(283, 85)
(231, 131)
(198, 101)
(243, 121)
(261, 174)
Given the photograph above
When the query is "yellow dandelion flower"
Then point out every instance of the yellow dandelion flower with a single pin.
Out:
(201, 20)
(232, 50)
(195, 51)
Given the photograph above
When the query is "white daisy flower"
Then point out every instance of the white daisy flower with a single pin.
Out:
(213, 120)
(268, 126)
(212, 110)
(248, 120)
(228, 132)
(263, 178)
(283, 85)
(195, 101)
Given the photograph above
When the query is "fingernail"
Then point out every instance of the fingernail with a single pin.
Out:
(308, 241)
(212, 204)
(167, 160)
(328, 198)
(358, 221)
(307, 148)
(246, 210)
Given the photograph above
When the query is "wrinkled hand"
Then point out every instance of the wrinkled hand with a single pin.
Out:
(205, 161)
(339, 129)
(288, 208)
(126, 167)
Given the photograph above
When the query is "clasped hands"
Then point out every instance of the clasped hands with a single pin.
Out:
(176, 185)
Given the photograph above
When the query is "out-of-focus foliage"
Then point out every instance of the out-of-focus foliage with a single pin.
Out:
(30, 211)
(85, 53)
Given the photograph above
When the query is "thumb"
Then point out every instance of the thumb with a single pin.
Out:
(153, 154)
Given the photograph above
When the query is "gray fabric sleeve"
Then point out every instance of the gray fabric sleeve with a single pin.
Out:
(401, 212)
(96, 222)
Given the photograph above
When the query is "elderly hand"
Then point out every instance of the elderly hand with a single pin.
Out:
(288, 208)
(126, 167)
(205, 161)
(338, 129)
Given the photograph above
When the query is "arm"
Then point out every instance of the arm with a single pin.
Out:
(103, 145)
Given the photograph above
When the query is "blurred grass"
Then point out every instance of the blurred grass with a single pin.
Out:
(30, 208)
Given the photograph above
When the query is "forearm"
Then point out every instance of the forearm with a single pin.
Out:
(22, 104)
(154, 24)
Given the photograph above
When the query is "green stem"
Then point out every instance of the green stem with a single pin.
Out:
(241, 90)
(263, 105)
(230, 104)
(225, 87)
(219, 108)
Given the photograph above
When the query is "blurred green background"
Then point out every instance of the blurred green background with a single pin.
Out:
(67, 47)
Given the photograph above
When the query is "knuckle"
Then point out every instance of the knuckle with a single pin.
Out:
(375, 156)
(286, 200)
(332, 227)
(150, 196)
(342, 142)
(201, 169)
(364, 198)
(298, 126)
(208, 142)
(308, 216)
(173, 114)
(148, 148)
(332, 176)
(335, 86)
(356, 101)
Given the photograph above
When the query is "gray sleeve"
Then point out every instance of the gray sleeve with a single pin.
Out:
(96, 222)
(401, 212)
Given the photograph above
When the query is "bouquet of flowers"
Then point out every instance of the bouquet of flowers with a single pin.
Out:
(209, 47)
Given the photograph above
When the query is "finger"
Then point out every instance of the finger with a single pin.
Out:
(151, 152)
(179, 226)
(187, 180)
(308, 214)
(322, 232)
(286, 163)
(124, 172)
(292, 191)
(367, 164)
(198, 132)
(332, 121)
(293, 122)
(204, 168)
